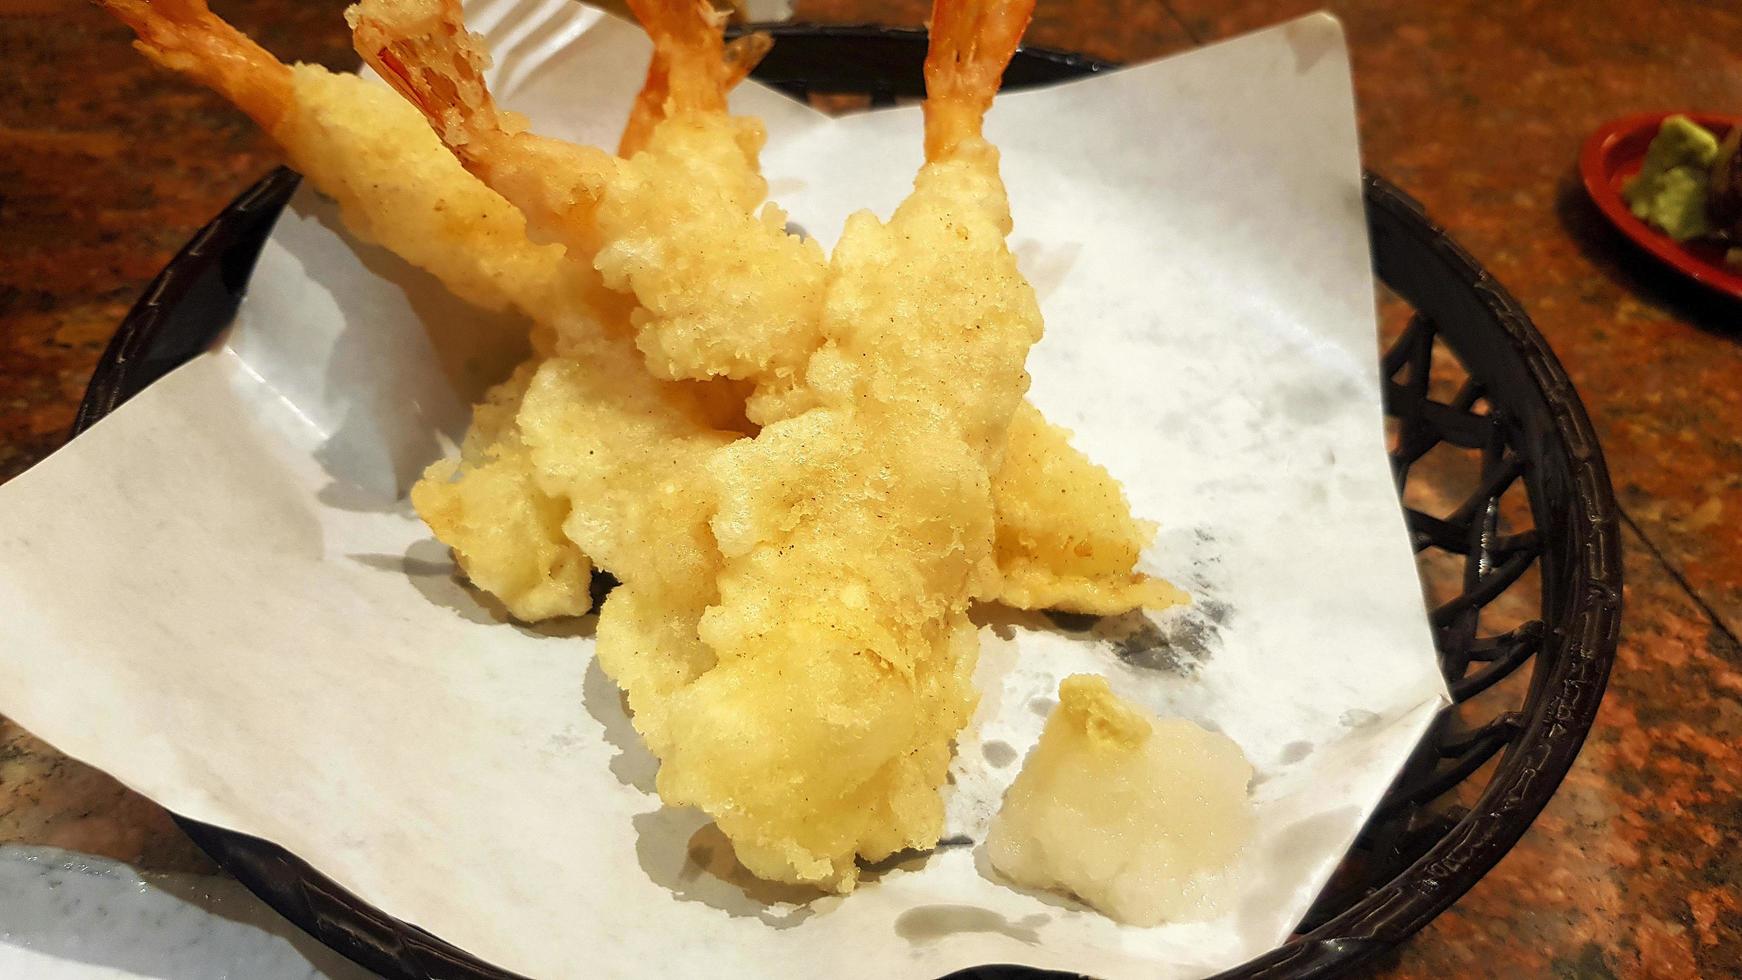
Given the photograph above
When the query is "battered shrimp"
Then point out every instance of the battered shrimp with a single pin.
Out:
(1066, 536)
(620, 451)
(928, 311)
(377, 159)
(397, 185)
(740, 57)
(722, 290)
(505, 533)
(791, 630)
(856, 533)
(629, 465)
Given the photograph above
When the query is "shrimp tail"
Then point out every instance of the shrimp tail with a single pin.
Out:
(649, 108)
(185, 36)
(740, 56)
(972, 42)
(689, 37)
(423, 50)
(743, 53)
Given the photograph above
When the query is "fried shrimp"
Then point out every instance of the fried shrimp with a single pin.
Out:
(928, 312)
(377, 159)
(856, 533)
(1066, 536)
(739, 57)
(397, 185)
(722, 289)
(844, 652)
(505, 533)
(791, 629)
(620, 451)
(628, 461)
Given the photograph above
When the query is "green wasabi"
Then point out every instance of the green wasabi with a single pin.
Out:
(1675, 180)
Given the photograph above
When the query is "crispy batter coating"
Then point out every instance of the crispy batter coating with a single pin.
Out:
(630, 460)
(855, 533)
(844, 649)
(791, 630)
(1066, 537)
(722, 290)
(506, 533)
(649, 243)
(376, 157)
(397, 186)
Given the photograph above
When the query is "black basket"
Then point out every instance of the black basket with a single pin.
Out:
(1538, 503)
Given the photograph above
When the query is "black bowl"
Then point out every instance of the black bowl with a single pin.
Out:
(1514, 412)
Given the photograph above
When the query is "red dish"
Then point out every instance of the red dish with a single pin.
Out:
(1612, 155)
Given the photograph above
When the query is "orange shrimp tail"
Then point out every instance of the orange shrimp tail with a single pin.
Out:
(423, 50)
(649, 108)
(972, 42)
(741, 55)
(689, 37)
(185, 36)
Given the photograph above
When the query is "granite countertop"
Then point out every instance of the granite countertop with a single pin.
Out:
(107, 165)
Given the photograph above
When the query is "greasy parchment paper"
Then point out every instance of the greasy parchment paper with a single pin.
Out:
(219, 595)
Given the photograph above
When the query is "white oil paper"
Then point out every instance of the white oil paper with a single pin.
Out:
(220, 596)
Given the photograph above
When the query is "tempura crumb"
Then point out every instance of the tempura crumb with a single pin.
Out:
(1066, 537)
(1139, 817)
(505, 533)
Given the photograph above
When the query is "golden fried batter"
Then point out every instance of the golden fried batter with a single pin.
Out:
(791, 629)
(844, 649)
(506, 534)
(398, 187)
(630, 460)
(856, 533)
(1067, 538)
(722, 290)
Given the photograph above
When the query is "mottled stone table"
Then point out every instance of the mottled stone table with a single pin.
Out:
(108, 165)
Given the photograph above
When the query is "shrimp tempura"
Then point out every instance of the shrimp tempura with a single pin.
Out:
(503, 530)
(856, 533)
(1066, 535)
(398, 187)
(583, 453)
(628, 464)
(622, 451)
(376, 158)
(723, 290)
